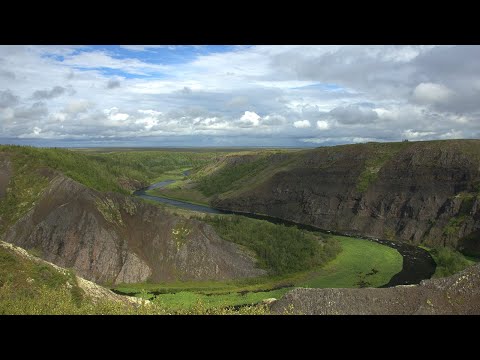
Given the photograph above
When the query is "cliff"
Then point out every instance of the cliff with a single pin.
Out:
(417, 192)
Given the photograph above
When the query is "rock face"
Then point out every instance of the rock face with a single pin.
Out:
(423, 192)
(458, 294)
(112, 238)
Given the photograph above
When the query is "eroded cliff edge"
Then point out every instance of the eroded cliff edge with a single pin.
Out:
(422, 192)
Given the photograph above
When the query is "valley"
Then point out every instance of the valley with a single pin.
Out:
(220, 230)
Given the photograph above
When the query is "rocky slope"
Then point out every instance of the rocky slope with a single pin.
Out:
(458, 294)
(112, 238)
(419, 192)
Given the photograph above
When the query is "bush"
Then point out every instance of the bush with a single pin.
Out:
(448, 261)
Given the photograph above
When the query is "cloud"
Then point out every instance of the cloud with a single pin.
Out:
(238, 102)
(200, 94)
(48, 94)
(78, 106)
(274, 120)
(115, 116)
(8, 75)
(7, 99)
(302, 124)
(103, 60)
(250, 117)
(323, 125)
(354, 114)
(431, 93)
(112, 84)
(146, 47)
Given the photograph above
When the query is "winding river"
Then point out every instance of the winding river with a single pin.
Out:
(418, 264)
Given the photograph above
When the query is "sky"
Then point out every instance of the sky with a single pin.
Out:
(268, 95)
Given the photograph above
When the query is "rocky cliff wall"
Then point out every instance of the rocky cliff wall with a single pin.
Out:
(424, 192)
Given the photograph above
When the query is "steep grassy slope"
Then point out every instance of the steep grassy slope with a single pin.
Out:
(30, 285)
(420, 192)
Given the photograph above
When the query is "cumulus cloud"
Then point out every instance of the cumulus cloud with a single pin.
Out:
(302, 124)
(48, 94)
(250, 117)
(323, 125)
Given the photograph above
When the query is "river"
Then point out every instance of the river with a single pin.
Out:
(418, 264)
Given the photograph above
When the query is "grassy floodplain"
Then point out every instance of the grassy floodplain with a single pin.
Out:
(360, 263)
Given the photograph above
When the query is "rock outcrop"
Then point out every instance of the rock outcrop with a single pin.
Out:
(458, 294)
(422, 192)
(112, 238)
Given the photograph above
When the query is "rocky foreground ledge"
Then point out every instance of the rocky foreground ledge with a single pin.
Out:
(458, 294)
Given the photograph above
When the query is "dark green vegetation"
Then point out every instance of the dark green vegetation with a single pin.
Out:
(281, 249)
(450, 261)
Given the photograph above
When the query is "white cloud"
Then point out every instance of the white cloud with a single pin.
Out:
(345, 93)
(252, 117)
(323, 125)
(114, 114)
(150, 112)
(302, 124)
